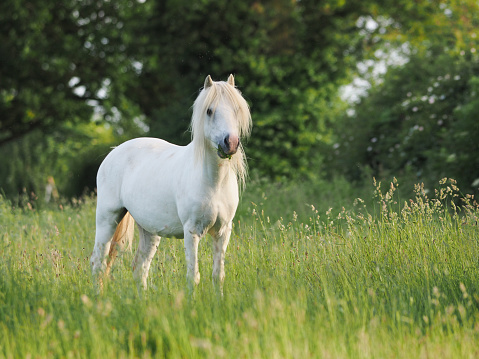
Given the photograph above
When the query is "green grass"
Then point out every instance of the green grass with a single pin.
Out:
(383, 280)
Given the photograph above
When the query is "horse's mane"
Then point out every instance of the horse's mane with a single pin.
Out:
(209, 98)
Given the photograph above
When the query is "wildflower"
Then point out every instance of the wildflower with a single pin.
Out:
(84, 298)
(61, 324)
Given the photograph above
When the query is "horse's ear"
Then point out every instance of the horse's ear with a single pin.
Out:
(231, 80)
(208, 82)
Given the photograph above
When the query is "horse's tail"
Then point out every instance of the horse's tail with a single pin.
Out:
(122, 239)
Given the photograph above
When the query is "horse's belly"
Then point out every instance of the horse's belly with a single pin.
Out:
(168, 231)
(154, 208)
(162, 225)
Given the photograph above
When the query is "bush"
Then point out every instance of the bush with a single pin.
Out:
(419, 123)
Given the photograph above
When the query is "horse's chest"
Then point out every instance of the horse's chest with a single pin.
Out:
(212, 215)
(208, 214)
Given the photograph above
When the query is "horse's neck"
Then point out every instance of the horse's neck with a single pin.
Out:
(213, 171)
(217, 171)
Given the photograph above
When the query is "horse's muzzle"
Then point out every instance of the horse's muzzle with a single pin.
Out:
(228, 146)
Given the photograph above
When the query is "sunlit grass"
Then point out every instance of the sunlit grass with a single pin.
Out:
(397, 279)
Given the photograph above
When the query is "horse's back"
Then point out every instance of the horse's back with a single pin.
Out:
(129, 154)
(139, 147)
(129, 159)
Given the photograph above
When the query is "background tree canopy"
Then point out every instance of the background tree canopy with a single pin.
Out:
(421, 119)
(79, 76)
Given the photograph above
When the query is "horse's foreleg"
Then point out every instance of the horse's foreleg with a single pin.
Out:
(220, 243)
(192, 240)
(146, 251)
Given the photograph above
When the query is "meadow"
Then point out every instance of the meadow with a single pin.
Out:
(310, 273)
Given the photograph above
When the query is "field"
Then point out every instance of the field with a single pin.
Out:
(378, 277)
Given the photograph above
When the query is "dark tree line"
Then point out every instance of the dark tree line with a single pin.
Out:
(79, 76)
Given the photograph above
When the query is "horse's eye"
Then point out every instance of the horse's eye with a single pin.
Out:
(209, 112)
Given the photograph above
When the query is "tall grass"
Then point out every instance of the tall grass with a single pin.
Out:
(397, 279)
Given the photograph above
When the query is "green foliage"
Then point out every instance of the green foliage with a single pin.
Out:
(387, 281)
(461, 145)
(421, 121)
(289, 58)
(71, 155)
(136, 67)
(56, 59)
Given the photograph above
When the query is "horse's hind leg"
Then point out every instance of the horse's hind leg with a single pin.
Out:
(106, 223)
(146, 250)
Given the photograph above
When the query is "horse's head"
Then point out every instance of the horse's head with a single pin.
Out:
(221, 116)
(221, 125)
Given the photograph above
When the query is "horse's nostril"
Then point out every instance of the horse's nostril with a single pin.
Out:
(229, 145)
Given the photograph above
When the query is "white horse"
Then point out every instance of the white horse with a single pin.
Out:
(175, 191)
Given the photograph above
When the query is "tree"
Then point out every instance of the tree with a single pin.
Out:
(133, 63)
(420, 119)
(56, 62)
(289, 58)
(62, 65)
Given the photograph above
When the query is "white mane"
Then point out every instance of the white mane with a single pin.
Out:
(210, 98)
